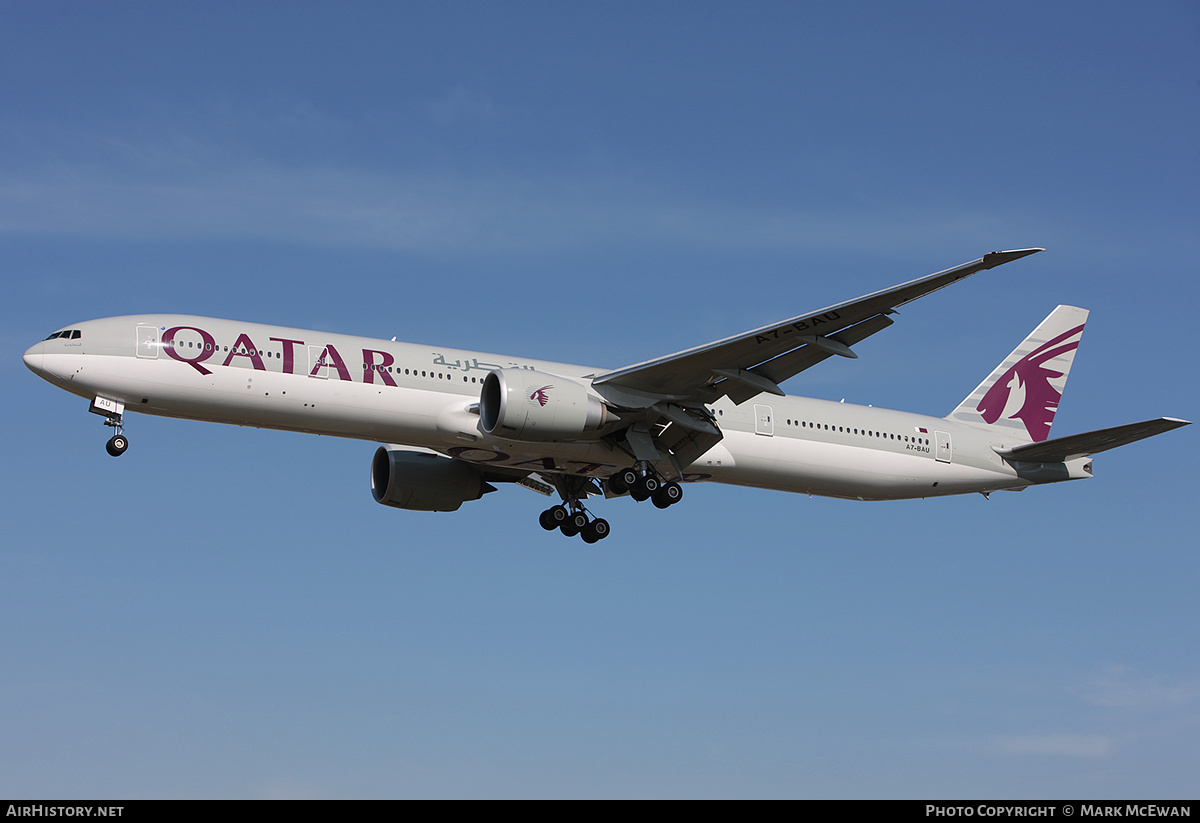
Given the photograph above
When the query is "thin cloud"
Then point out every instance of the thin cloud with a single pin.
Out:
(434, 214)
(1060, 745)
(1122, 688)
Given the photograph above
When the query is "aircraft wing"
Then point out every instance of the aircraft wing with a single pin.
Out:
(748, 364)
(1061, 449)
(662, 402)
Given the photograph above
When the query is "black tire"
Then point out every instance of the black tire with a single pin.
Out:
(579, 521)
(627, 478)
(598, 529)
(116, 445)
(616, 485)
(547, 524)
(668, 495)
(556, 516)
(645, 488)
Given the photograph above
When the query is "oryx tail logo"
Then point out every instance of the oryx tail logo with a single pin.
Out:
(540, 395)
(1033, 379)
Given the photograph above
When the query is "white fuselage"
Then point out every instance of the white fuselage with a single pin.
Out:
(251, 374)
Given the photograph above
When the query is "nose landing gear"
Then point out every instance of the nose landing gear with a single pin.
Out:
(116, 445)
(111, 409)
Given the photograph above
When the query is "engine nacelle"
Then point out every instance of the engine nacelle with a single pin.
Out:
(424, 482)
(520, 404)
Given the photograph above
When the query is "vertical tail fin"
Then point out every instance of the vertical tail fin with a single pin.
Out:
(1021, 395)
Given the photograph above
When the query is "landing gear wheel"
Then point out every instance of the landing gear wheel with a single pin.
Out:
(579, 521)
(668, 495)
(623, 481)
(568, 529)
(116, 445)
(596, 530)
(644, 488)
(553, 518)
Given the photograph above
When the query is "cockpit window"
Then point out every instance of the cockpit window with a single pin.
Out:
(69, 334)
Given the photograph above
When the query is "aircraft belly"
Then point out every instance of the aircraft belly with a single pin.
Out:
(843, 470)
(590, 459)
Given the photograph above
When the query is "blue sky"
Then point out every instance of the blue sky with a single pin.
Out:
(224, 612)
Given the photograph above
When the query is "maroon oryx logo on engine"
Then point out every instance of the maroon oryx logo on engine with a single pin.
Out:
(540, 395)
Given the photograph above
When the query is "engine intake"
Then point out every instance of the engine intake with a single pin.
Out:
(424, 482)
(521, 404)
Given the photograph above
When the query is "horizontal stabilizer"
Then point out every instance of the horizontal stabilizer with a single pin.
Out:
(1062, 449)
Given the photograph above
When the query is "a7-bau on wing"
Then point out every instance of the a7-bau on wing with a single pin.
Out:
(662, 402)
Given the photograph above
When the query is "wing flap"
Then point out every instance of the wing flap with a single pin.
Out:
(794, 362)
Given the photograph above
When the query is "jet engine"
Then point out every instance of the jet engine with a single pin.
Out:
(424, 482)
(521, 404)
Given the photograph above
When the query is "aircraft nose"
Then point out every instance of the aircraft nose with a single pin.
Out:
(33, 357)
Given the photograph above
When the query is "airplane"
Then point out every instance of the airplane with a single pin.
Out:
(454, 423)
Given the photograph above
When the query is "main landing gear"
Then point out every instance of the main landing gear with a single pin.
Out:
(118, 443)
(571, 518)
(645, 485)
(575, 522)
